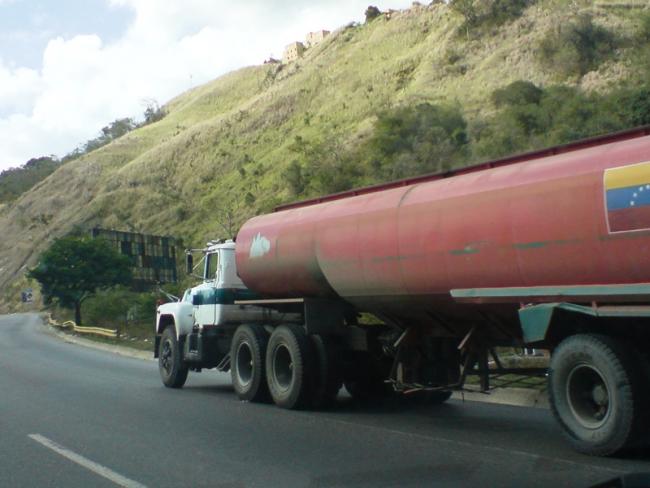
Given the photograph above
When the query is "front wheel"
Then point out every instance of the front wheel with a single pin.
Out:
(173, 371)
(595, 393)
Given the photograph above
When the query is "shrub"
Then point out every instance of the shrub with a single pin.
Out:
(372, 13)
(576, 48)
(294, 178)
(532, 117)
(502, 11)
(644, 31)
(119, 307)
(517, 93)
(416, 139)
(632, 105)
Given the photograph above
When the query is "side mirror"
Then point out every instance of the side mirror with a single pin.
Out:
(196, 300)
(189, 264)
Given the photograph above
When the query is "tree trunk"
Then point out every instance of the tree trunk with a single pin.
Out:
(77, 313)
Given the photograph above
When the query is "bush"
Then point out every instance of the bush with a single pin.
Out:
(632, 105)
(372, 13)
(532, 117)
(644, 31)
(413, 140)
(321, 167)
(119, 307)
(576, 48)
(502, 11)
(294, 178)
(495, 12)
(517, 93)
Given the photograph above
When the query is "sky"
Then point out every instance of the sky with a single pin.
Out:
(70, 67)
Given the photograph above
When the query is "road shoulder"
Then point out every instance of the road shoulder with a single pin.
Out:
(112, 348)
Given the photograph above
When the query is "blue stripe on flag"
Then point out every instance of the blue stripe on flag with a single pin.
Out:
(630, 197)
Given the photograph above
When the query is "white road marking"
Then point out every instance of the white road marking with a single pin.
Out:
(98, 469)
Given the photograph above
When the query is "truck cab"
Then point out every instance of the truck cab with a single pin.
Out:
(214, 299)
(199, 327)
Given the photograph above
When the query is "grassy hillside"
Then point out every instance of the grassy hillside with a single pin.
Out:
(222, 152)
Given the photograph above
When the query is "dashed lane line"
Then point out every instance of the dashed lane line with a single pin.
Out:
(96, 468)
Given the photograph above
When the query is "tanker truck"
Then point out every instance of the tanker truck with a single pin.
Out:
(410, 287)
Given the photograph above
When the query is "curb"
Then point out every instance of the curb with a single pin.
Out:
(112, 348)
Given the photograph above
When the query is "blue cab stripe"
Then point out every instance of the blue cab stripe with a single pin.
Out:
(629, 197)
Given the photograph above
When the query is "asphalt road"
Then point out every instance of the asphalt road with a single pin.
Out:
(73, 416)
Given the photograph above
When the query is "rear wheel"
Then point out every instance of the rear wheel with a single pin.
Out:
(289, 367)
(595, 393)
(247, 366)
(173, 371)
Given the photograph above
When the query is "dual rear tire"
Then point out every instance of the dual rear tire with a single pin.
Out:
(247, 363)
(294, 370)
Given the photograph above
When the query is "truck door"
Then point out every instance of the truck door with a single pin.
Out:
(205, 303)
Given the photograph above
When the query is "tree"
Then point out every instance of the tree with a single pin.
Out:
(73, 269)
(114, 130)
(153, 112)
(372, 13)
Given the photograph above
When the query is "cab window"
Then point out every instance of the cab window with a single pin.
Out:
(211, 266)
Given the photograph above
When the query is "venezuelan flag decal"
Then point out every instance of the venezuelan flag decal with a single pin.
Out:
(627, 197)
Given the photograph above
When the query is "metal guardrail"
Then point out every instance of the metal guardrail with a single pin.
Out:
(70, 324)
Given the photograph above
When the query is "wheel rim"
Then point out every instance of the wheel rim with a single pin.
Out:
(244, 363)
(166, 357)
(282, 367)
(588, 396)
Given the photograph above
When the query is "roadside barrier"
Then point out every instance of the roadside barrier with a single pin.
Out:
(70, 324)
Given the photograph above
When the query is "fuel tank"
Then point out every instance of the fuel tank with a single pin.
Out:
(572, 215)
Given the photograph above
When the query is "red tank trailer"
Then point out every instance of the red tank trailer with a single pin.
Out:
(549, 249)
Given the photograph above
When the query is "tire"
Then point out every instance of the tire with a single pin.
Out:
(595, 392)
(173, 371)
(289, 367)
(247, 363)
(328, 378)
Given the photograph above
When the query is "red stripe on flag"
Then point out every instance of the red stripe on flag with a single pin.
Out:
(634, 218)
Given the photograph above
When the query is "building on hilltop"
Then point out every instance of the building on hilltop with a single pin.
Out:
(293, 52)
(314, 38)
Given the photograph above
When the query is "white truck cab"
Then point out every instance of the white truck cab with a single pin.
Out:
(212, 302)
(198, 328)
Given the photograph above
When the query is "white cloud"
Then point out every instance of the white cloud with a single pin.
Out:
(84, 84)
(20, 86)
